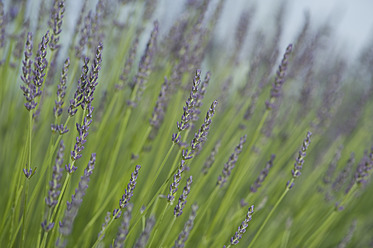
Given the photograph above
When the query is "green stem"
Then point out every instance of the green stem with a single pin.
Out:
(169, 228)
(204, 209)
(156, 228)
(269, 215)
(315, 239)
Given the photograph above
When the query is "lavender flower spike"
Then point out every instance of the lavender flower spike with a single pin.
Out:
(128, 193)
(29, 89)
(145, 63)
(175, 184)
(189, 105)
(242, 228)
(182, 200)
(78, 96)
(280, 79)
(228, 167)
(201, 136)
(40, 64)
(200, 96)
(362, 171)
(263, 174)
(160, 106)
(183, 236)
(61, 89)
(55, 23)
(299, 161)
(51, 199)
(124, 227)
(211, 159)
(144, 237)
(76, 200)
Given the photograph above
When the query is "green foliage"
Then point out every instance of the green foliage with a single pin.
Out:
(324, 202)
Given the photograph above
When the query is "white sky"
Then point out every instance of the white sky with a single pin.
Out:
(353, 20)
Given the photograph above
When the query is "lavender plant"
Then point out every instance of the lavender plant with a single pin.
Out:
(158, 70)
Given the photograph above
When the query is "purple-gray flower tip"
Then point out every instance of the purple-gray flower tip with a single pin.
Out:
(296, 172)
(28, 173)
(182, 200)
(242, 228)
(128, 193)
(175, 184)
(47, 227)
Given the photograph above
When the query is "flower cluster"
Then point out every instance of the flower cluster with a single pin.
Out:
(182, 200)
(55, 23)
(145, 64)
(189, 105)
(300, 160)
(78, 95)
(263, 174)
(160, 106)
(201, 136)
(128, 193)
(144, 237)
(61, 92)
(55, 184)
(73, 206)
(242, 228)
(124, 226)
(211, 159)
(228, 167)
(280, 78)
(183, 236)
(200, 95)
(175, 184)
(34, 78)
(81, 139)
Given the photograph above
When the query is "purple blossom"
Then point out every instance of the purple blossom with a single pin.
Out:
(183, 236)
(55, 23)
(182, 200)
(300, 160)
(85, 33)
(263, 174)
(124, 227)
(160, 106)
(201, 136)
(190, 104)
(55, 184)
(128, 64)
(362, 171)
(242, 228)
(228, 167)
(78, 96)
(128, 193)
(200, 95)
(280, 79)
(211, 159)
(145, 63)
(29, 89)
(175, 184)
(144, 237)
(73, 206)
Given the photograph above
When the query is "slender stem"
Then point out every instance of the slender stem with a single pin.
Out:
(169, 228)
(24, 213)
(156, 228)
(204, 209)
(30, 140)
(315, 239)
(56, 209)
(26, 182)
(269, 215)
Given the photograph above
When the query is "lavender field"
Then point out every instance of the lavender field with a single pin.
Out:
(123, 126)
